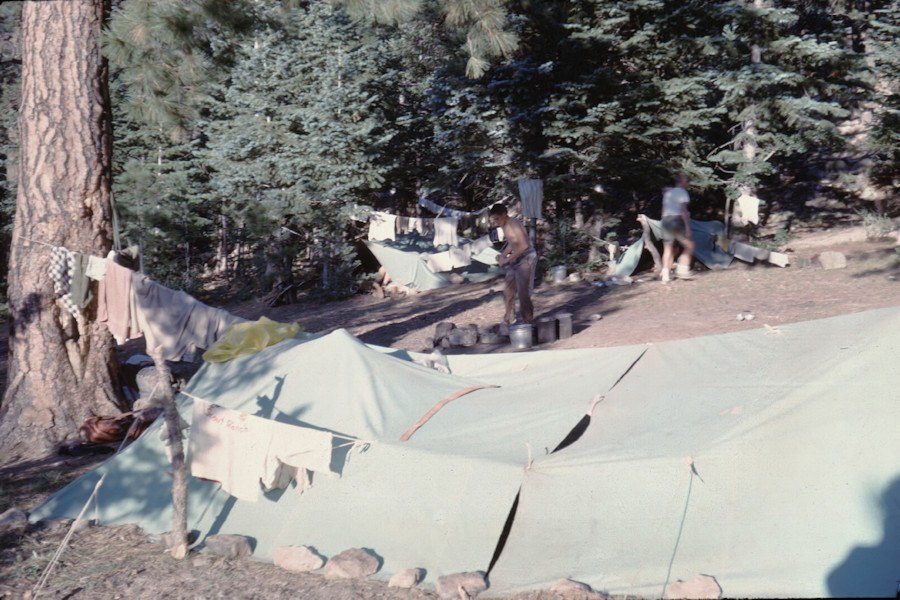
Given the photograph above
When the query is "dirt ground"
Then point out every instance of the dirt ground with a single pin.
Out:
(644, 311)
(120, 562)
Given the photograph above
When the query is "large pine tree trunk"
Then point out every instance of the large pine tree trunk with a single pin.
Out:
(61, 369)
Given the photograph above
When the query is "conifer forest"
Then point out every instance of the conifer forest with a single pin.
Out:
(251, 138)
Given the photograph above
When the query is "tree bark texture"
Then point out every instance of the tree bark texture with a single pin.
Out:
(61, 369)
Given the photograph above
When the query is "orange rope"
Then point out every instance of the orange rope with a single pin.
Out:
(438, 407)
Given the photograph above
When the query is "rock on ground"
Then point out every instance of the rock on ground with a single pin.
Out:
(407, 578)
(228, 545)
(472, 583)
(297, 559)
(351, 563)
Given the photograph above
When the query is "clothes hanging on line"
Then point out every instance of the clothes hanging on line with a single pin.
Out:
(96, 267)
(450, 259)
(116, 304)
(749, 206)
(293, 453)
(445, 231)
(62, 270)
(420, 225)
(176, 321)
(382, 226)
(532, 194)
(80, 284)
(242, 451)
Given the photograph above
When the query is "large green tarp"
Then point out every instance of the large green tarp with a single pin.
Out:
(405, 259)
(438, 501)
(768, 459)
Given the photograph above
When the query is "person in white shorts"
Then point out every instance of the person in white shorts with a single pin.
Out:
(676, 226)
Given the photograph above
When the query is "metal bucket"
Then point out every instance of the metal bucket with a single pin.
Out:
(546, 330)
(564, 320)
(521, 336)
(559, 273)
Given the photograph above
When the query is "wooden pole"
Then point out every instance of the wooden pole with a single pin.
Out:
(179, 541)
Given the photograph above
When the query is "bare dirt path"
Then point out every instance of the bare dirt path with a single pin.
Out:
(105, 563)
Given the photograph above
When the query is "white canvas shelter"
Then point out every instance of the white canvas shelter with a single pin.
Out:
(768, 459)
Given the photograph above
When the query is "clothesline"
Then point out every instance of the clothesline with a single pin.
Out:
(442, 210)
(132, 305)
(39, 242)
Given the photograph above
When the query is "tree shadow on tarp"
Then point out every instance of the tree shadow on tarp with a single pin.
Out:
(873, 571)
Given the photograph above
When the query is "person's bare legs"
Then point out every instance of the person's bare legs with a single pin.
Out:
(509, 295)
(525, 284)
(668, 258)
(381, 280)
(684, 261)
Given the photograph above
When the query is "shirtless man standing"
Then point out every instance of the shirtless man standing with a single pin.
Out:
(520, 260)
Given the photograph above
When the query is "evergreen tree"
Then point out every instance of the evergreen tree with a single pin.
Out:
(640, 104)
(878, 29)
(478, 27)
(290, 137)
(491, 131)
(411, 56)
(166, 50)
(726, 91)
(785, 82)
(163, 200)
(10, 71)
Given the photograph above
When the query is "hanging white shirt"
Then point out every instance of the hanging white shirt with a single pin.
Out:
(382, 226)
(445, 231)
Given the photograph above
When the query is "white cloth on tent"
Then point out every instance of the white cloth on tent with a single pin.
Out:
(382, 226)
(449, 259)
(438, 262)
(481, 244)
(749, 208)
(241, 451)
(532, 193)
(229, 447)
(461, 257)
(445, 231)
(293, 452)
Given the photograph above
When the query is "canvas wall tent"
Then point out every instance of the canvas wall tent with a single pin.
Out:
(711, 249)
(405, 259)
(768, 459)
